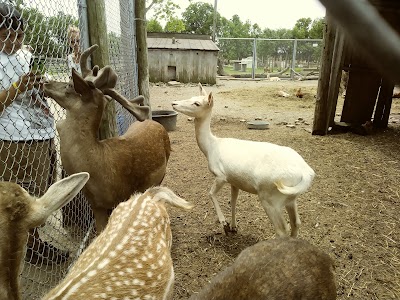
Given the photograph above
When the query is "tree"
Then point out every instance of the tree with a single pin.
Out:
(58, 27)
(236, 49)
(198, 18)
(154, 26)
(317, 28)
(174, 25)
(301, 29)
(162, 9)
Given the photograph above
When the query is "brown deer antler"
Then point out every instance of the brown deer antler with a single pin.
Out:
(105, 79)
(134, 106)
(99, 78)
(84, 57)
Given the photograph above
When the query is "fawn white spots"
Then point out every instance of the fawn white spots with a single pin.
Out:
(138, 282)
(130, 260)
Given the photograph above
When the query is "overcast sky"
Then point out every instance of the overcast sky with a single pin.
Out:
(271, 14)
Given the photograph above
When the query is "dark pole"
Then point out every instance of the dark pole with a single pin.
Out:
(215, 21)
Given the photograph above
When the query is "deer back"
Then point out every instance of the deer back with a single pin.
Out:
(130, 258)
(285, 268)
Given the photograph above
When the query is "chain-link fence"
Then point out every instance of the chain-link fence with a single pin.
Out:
(260, 58)
(29, 143)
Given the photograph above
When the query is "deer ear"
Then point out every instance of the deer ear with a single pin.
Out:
(80, 85)
(210, 99)
(202, 90)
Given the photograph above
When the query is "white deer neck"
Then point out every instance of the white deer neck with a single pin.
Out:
(205, 138)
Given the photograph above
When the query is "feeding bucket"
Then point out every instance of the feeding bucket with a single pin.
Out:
(166, 118)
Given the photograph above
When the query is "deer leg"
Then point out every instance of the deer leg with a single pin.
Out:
(234, 196)
(274, 211)
(101, 216)
(217, 185)
(294, 218)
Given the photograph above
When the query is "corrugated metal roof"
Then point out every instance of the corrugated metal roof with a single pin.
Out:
(180, 44)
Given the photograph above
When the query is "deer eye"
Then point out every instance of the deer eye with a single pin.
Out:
(196, 103)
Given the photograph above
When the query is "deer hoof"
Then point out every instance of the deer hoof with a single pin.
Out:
(227, 228)
(234, 230)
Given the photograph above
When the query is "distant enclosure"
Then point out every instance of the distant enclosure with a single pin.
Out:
(257, 57)
(182, 57)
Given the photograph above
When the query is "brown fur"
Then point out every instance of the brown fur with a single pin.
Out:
(284, 268)
(13, 207)
(20, 212)
(119, 166)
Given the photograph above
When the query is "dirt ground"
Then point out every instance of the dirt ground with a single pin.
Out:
(350, 212)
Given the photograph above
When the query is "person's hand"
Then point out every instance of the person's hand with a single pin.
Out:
(29, 81)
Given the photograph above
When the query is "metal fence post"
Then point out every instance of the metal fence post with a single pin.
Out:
(83, 23)
(253, 67)
(293, 59)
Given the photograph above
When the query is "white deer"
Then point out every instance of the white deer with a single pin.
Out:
(275, 173)
(131, 258)
(20, 212)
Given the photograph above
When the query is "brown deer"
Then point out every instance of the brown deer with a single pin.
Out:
(119, 166)
(284, 268)
(20, 212)
(131, 258)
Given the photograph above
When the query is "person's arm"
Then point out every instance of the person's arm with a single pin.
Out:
(7, 97)
(25, 82)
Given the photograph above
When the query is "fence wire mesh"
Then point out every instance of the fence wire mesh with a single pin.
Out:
(29, 143)
(260, 58)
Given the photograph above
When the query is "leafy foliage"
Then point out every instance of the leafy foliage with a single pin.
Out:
(174, 25)
(163, 9)
(198, 18)
(154, 26)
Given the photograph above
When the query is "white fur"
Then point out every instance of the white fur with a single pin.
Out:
(275, 173)
(274, 79)
(283, 94)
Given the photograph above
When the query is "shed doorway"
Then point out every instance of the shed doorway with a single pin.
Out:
(171, 73)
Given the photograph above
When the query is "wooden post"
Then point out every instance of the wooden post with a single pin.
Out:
(336, 75)
(98, 35)
(382, 110)
(322, 107)
(142, 55)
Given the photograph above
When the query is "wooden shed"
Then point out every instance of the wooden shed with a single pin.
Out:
(182, 57)
(368, 96)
